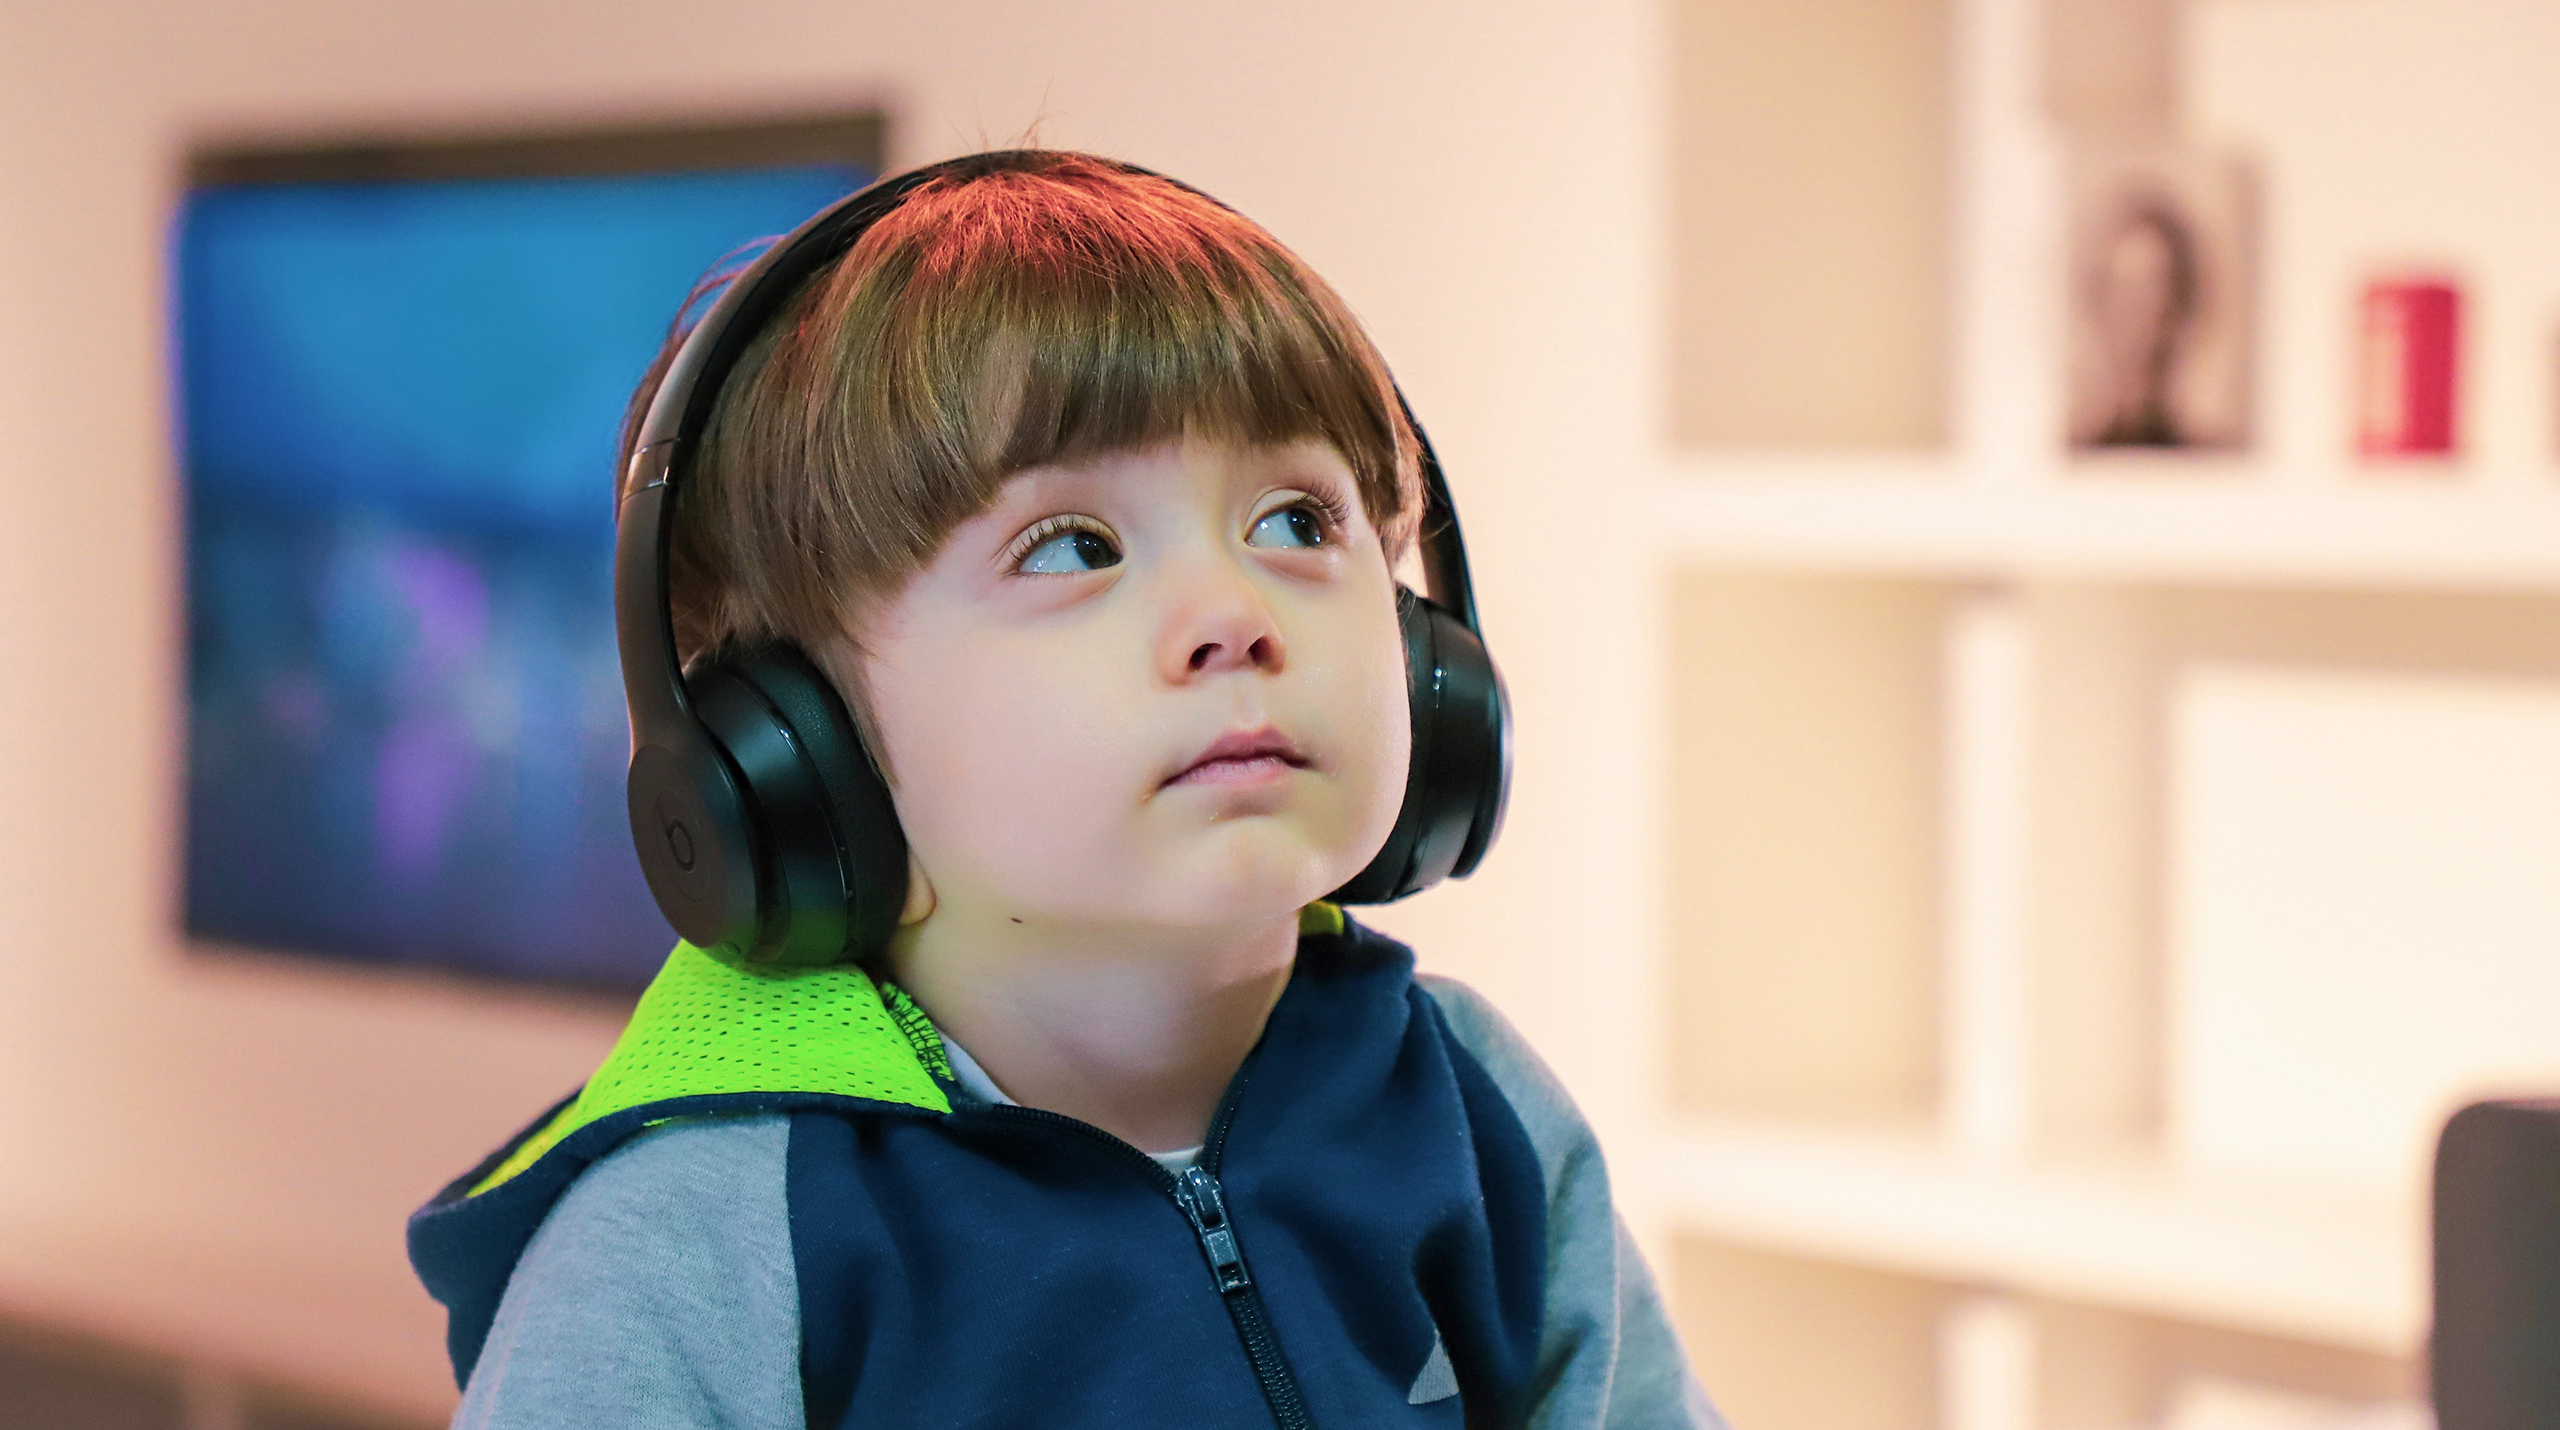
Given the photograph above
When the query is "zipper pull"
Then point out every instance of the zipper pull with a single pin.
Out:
(1201, 1200)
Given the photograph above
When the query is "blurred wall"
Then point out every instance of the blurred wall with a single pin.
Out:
(249, 1132)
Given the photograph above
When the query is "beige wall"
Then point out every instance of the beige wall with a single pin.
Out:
(1475, 178)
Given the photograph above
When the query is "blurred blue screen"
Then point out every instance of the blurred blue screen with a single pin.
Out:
(400, 404)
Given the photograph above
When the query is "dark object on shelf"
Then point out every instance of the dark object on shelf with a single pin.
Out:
(2160, 303)
(2495, 1356)
(58, 1380)
(47, 1383)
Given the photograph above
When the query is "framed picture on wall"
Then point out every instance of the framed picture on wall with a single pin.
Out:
(2161, 301)
(401, 370)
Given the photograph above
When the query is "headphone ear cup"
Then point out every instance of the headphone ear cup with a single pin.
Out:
(696, 841)
(1473, 748)
(832, 859)
(1458, 780)
(871, 846)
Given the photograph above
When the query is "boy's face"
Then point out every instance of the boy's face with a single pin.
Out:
(1054, 692)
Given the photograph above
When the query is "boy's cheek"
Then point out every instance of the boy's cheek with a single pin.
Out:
(1375, 800)
(1010, 786)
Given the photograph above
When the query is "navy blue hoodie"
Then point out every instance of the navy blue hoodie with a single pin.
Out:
(1373, 1232)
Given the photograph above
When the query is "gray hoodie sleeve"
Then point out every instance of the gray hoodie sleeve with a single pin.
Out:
(658, 1295)
(1608, 1358)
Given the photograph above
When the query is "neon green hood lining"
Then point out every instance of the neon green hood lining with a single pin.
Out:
(708, 1027)
(705, 1027)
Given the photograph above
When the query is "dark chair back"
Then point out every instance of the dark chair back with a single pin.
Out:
(2494, 1361)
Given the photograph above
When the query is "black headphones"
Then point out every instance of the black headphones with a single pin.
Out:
(765, 831)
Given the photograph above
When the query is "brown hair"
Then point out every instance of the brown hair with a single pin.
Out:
(1028, 307)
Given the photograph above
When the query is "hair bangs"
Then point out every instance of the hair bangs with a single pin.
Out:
(1110, 361)
(1078, 310)
(1043, 307)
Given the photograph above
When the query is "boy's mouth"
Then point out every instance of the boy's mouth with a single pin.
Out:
(1242, 757)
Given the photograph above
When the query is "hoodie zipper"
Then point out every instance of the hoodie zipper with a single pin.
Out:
(1202, 1200)
(1196, 1192)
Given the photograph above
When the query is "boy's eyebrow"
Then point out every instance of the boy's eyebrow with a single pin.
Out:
(1056, 481)
(1283, 462)
(1039, 486)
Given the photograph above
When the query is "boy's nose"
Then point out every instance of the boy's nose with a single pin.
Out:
(1263, 652)
(1225, 628)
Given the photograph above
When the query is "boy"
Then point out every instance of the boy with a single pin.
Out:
(1083, 493)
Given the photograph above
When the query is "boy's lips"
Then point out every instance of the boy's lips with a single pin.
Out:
(1242, 757)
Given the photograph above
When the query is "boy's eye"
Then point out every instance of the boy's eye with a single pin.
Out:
(1067, 551)
(1297, 524)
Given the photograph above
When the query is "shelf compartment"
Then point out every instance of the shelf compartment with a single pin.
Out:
(1804, 846)
(2312, 1263)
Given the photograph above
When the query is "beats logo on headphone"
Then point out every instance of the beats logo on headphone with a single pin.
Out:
(763, 826)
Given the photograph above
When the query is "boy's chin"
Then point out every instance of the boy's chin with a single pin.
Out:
(1253, 875)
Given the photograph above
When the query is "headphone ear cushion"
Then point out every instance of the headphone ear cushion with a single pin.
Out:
(1458, 780)
(833, 855)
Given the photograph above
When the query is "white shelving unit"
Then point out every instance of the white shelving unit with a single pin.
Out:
(2016, 1229)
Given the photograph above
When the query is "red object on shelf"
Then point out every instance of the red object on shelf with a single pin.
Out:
(2412, 332)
